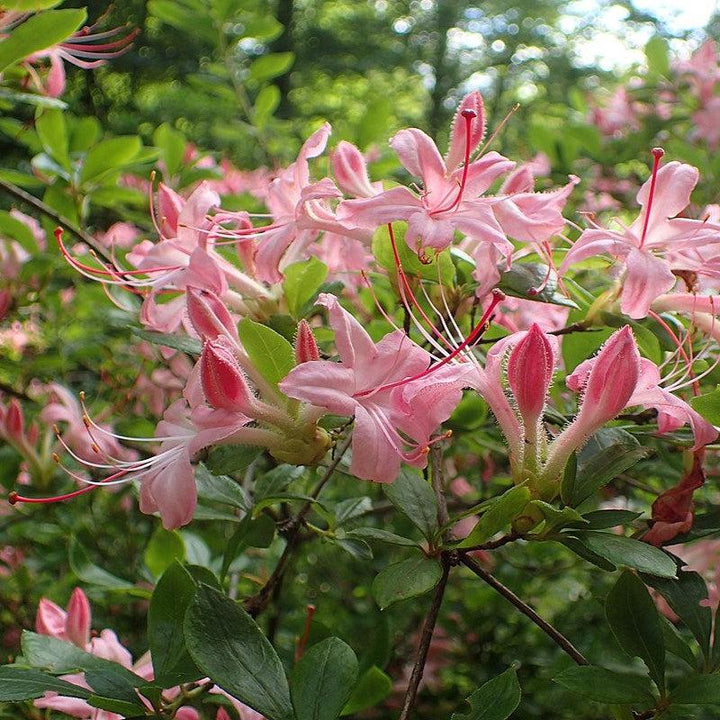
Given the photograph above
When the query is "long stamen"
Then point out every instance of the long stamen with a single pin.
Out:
(468, 115)
(497, 297)
(657, 154)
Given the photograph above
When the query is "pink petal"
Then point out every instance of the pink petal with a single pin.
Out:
(647, 277)
(420, 156)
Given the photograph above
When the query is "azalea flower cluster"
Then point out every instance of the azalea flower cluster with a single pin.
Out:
(399, 391)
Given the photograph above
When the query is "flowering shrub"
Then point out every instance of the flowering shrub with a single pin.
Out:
(433, 374)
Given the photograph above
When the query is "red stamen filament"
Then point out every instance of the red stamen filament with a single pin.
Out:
(468, 116)
(657, 154)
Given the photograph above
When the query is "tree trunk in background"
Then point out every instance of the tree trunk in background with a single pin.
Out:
(284, 43)
(447, 17)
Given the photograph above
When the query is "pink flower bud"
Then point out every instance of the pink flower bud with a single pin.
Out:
(610, 380)
(14, 422)
(78, 619)
(50, 619)
(350, 171)
(208, 314)
(222, 379)
(471, 111)
(306, 348)
(530, 369)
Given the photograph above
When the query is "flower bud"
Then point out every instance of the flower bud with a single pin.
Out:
(609, 379)
(77, 626)
(222, 379)
(50, 619)
(306, 348)
(530, 369)
(350, 171)
(14, 421)
(208, 314)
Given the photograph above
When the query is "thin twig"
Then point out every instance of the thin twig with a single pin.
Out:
(494, 544)
(524, 608)
(425, 640)
(436, 456)
(39, 205)
(259, 602)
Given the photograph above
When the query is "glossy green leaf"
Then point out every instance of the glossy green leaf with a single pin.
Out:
(524, 278)
(219, 488)
(302, 283)
(708, 405)
(231, 650)
(90, 573)
(171, 598)
(249, 533)
(604, 519)
(109, 156)
(601, 685)
(164, 547)
(697, 690)
(52, 130)
(322, 681)
(608, 453)
(412, 495)
(635, 623)
(191, 346)
(497, 699)
(684, 595)
(384, 536)
(39, 32)
(372, 688)
(499, 515)
(270, 352)
(405, 579)
(19, 683)
(171, 143)
(266, 103)
(271, 65)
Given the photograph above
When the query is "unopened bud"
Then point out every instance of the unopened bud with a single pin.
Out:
(530, 369)
(306, 348)
(78, 619)
(14, 421)
(222, 379)
(208, 314)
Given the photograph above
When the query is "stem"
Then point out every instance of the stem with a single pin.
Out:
(555, 635)
(258, 603)
(438, 482)
(425, 639)
(39, 205)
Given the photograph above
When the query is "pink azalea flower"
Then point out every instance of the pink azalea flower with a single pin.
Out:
(377, 384)
(656, 231)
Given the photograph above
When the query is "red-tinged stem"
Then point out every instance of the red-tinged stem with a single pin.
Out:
(657, 154)
(497, 297)
(14, 498)
(468, 115)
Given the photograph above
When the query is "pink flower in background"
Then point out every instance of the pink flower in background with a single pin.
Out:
(119, 235)
(617, 116)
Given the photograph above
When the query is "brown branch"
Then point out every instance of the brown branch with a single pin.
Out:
(257, 603)
(425, 640)
(39, 205)
(556, 636)
(494, 544)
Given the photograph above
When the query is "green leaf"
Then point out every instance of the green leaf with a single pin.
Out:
(270, 352)
(497, 699)
(604, 519)
(608, 453)
(126, 708)
(271, 65)
(250, 533)
(220, 488)
(90, 573)
(523, 278)
(232, 651)
(17, 230)
(322, 682)
(601, 685)
(675, 643)
(171, 143)
(708, 405)
(52, 131)
(275, 481)
(684, 595)
(351, 508)
(502, 511)
(109, 156)
(697, 690)
(164, 547)
(302, 283)
(370, 533)
(412, 495)
(266, 103)
(635, 623)
(405, 579)
(585, 553)
(191, 346)
(18, 683)
(621, 550)
(230, 459)
(170, 600)
(579, 346)
(39, 32)
(372, 688)
(359, 549)
(656, 51)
